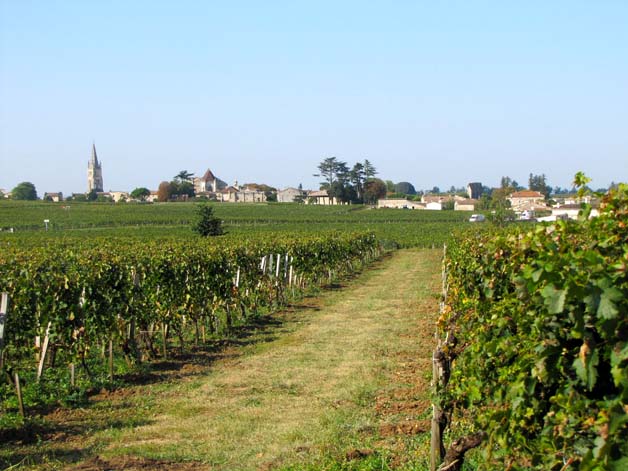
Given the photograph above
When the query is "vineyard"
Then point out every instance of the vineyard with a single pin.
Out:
(533, 354)
(74, 305)
(393, 227)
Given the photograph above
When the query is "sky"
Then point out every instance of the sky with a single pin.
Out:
(436, 93)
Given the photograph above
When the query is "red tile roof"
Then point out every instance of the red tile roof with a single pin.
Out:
(526, 194)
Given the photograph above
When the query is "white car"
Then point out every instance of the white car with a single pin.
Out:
(477, 218)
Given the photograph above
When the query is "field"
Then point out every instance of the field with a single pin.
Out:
(407, 228)
(303, 339)
(100, 273)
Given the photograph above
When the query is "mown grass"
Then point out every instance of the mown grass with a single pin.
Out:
(299, 393)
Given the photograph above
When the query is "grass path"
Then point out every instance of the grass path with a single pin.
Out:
(340, 383)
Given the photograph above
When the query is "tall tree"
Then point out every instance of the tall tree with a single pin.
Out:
(328, 169)
(539, 183)
(405, 188)
(24, 191)
(369, 170)
(184, 176)
(357, 177)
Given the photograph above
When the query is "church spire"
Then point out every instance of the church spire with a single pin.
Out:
(94, 156)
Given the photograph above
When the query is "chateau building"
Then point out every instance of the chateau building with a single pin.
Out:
(94, 172)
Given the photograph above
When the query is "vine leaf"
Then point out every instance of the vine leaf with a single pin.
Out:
(607, 308)
(554, 298)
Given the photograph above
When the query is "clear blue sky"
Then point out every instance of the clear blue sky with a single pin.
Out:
(431, 92)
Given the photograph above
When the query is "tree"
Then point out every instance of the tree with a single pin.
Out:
(328, 169)
(435, 190)
(390, 186)
(184, 175)
(374, 189)
(164, 192)
(24, 191)
(369, 170)
(207, 224)
(405, 188)
(182, 184)
(140, 193)
(538, 183)
(357, 178)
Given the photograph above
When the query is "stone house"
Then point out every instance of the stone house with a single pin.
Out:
(399, 203)
(465, 205)
(55, 197)
(290, 195)
(527, 200)
(235, 194)
(474, 190)
(320, 197)
(208, 183)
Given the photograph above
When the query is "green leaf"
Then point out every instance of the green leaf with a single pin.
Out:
(619, 465)
(607, 308)
(554, 299)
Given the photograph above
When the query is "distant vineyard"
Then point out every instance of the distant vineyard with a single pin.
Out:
(395, 227)
(535, 336)
(80, 297)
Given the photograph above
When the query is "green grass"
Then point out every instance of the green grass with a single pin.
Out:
(299, 394)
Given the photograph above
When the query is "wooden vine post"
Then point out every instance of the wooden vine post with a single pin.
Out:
(4, 308)
(437, 449)
(44, 351)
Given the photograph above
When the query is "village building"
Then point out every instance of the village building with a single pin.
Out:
(54, 197)
(291, 195)
(320, 197)
(153, 197)
(118, 196)
(94, 173)
(465, 205)
(474, 190)
(399, 203)
(434, 206)
(208, 183)
(236, 194)
(527, 200)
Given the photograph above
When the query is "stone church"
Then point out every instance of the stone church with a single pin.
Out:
(94, 172)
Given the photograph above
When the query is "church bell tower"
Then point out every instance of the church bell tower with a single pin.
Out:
(94, 173)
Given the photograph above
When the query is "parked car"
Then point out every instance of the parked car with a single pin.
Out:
(477, 218)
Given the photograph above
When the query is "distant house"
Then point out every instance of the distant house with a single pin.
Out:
(399, 203)
(320, 197)
(440, 198)
(153, 197)
(208, 183)
(55, 197)
(465, 205)
(235, 194)
(570, 211)
(474, 190)
(527, 200)
(290, 195)
(434, 206)
(118, 196)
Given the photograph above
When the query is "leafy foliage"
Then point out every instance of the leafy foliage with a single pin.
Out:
(94, 291)
(207, 224)
(540, 357)
(24, 191)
